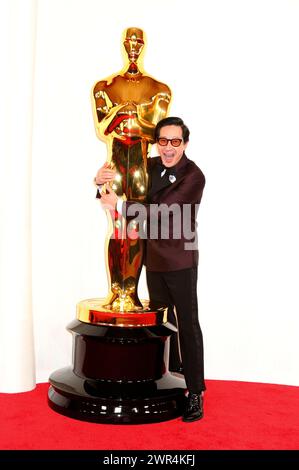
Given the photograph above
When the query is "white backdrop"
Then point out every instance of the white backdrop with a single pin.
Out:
(17, 54)
(233, 70)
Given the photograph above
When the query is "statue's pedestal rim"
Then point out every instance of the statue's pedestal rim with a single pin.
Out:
(92, 311)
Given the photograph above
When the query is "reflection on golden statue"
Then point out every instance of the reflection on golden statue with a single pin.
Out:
(127, 106)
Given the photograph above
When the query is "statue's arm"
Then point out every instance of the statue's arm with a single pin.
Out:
(150, 114)
(104, 111)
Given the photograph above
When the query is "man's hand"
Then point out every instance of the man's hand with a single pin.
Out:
(109, 199)
(105, 174)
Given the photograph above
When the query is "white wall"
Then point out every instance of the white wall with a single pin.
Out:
(233, 69)
(17, 46)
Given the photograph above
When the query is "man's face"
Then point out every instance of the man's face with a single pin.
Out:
(169, 154)
(133, 45)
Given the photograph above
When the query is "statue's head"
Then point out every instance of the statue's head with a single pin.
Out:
(133, 40)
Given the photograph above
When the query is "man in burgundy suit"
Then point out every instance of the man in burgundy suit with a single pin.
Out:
(175, 189)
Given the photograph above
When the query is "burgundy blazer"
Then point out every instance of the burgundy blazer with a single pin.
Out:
(172, 254)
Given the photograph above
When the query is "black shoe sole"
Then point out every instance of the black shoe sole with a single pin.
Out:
(191, 420)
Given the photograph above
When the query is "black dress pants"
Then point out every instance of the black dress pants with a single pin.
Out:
(178, 290)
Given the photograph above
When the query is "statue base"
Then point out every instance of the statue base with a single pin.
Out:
(120, 373)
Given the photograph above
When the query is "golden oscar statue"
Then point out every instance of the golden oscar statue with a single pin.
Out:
(120, 345)
(127, 106)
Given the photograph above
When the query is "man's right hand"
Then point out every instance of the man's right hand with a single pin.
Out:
(105, 174)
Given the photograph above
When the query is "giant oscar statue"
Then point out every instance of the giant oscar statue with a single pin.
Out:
(127, 106)
(120, 350)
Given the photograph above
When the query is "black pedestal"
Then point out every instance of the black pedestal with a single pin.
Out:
(119, 375)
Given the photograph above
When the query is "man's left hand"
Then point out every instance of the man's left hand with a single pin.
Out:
(109, 199)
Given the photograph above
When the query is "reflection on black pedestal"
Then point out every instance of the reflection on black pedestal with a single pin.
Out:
(119, 375)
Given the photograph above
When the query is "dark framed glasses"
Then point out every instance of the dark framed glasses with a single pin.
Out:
(174, 142)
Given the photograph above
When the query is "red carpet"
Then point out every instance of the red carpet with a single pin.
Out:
(238, 415)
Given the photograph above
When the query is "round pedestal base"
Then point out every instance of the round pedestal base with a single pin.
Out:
(119, 375)
(116, 403)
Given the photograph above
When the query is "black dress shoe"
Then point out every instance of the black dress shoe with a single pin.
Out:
(194, 408)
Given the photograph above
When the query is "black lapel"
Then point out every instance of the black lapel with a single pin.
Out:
(158, 183)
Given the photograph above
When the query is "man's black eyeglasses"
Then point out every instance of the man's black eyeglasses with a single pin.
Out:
(174, 142)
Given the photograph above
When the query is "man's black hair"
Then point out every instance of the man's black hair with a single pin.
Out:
(172, 121)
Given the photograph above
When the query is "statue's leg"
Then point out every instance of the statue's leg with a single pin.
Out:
(124, 258)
